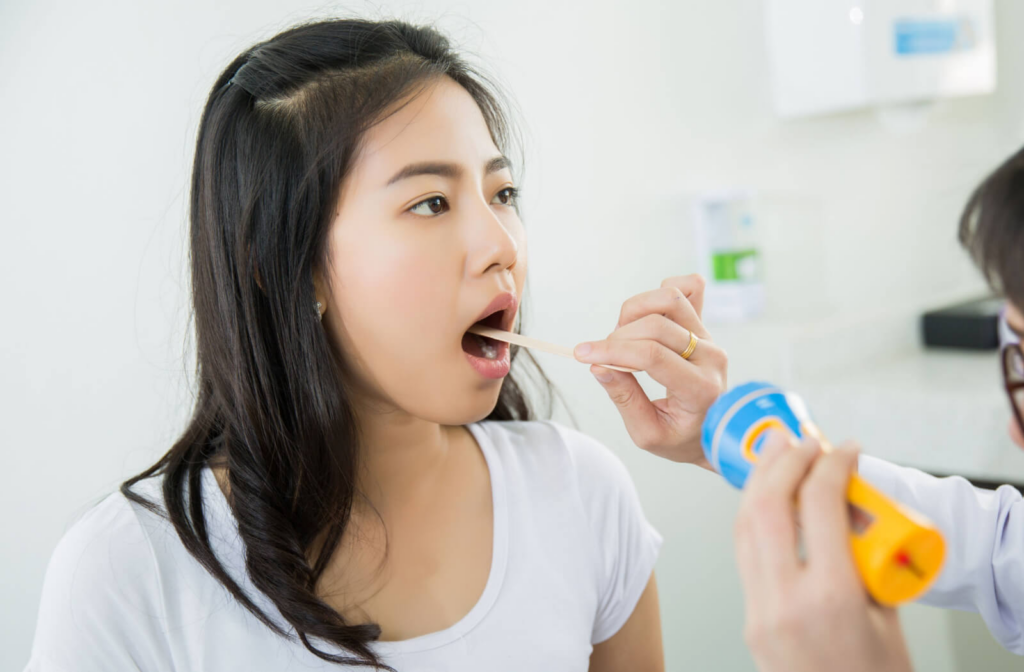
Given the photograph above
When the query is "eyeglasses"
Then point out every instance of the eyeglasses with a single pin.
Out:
(1013, 371)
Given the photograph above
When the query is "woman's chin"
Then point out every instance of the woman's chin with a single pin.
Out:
(468, 407)
(480, 405)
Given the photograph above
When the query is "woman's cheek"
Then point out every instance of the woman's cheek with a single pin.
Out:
(425, 289)
(519, 271)
(385, 272)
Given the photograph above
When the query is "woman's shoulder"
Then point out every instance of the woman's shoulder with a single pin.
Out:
(101, 582)
(107, 551)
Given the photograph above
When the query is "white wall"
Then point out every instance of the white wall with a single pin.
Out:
(627, 105)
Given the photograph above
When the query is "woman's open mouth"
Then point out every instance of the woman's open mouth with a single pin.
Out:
(489, 357)
(482, 346)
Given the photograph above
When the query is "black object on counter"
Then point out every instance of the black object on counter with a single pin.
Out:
(972, 325)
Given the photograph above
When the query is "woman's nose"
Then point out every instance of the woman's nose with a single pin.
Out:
(493, 246)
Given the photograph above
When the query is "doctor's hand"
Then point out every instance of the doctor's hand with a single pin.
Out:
(653, 332)
(813, 614)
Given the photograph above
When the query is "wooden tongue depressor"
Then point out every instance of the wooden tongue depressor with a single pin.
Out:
(534, 343)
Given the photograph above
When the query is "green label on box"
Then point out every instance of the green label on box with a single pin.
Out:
(734, 265)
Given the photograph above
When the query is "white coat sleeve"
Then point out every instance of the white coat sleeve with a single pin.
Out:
(984, 530)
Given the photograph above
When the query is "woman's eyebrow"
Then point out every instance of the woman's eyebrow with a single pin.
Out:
(496, 164)
(448, 170)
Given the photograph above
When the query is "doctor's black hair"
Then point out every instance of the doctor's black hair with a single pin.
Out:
(992, 228)
(274, 401)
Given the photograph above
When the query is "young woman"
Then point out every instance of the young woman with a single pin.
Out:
(360, 483)
(826, 621)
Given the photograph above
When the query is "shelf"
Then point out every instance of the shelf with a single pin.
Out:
(940, 411)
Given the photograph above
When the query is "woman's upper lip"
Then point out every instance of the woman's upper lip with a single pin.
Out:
(505, 301)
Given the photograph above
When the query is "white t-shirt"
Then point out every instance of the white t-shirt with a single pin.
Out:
(572, 554)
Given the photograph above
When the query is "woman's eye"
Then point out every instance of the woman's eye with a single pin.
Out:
(506, 196)
(434, 205)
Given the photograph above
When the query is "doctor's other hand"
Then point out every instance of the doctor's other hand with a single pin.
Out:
(655, 329)
(813, 614)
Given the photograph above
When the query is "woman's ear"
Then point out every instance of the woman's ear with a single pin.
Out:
(320, 290)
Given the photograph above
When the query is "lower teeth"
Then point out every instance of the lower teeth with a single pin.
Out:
(490, 351)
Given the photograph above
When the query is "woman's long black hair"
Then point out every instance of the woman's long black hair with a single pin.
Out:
(276, 139)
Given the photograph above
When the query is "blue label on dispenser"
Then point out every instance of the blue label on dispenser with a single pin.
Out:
(932, 36)
(739, 418)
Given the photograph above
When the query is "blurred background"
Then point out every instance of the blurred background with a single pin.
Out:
(841, 175)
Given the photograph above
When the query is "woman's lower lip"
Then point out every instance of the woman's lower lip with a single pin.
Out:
(492, 368)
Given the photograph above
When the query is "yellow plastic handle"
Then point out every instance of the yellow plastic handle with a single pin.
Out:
(898, 552)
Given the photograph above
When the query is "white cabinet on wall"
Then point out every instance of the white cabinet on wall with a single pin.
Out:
(835, 55)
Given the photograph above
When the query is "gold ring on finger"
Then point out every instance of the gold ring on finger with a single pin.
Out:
(691, 346)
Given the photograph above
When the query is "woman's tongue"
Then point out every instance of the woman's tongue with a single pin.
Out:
(480, 346)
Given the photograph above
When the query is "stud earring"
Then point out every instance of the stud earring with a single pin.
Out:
(319, 311)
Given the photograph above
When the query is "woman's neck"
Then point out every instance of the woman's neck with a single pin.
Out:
(400, 456)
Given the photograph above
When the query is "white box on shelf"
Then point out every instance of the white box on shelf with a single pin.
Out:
(835, 55)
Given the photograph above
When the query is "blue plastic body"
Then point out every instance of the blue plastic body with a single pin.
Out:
(732, 416)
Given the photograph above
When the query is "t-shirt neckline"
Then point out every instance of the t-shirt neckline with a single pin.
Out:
(433, 640)
(499, 559)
